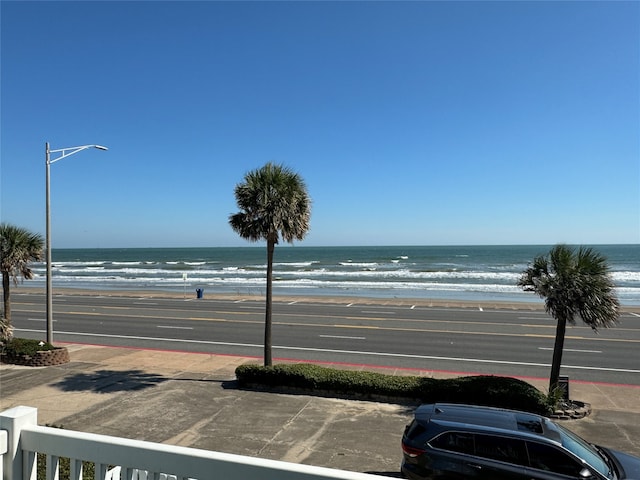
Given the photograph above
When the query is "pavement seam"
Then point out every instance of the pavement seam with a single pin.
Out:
(301, 450)
(284, 427)
(625, 435)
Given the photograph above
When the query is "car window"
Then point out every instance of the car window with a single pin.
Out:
(529, 423)
(581, 449)
(460, 442)
(504, 449)
(551, 459)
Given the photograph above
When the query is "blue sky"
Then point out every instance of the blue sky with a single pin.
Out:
(412, 123)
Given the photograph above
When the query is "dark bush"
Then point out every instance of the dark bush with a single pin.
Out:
(25, 346)
(64, 469)
(504, 392)
(489, 390)
(64, 466)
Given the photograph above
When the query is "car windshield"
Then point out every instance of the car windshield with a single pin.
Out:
(585, 451)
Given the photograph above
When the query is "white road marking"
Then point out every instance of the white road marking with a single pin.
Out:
(348, 352)
(176, 328)
(343, 336)
(572, 350)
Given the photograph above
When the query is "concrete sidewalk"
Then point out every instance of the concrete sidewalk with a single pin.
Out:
(190, 399)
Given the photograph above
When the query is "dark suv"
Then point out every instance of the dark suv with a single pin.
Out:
(449, 441)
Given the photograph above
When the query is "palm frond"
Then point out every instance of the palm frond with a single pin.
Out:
(18, 248)
(274, 203)
(574, 284)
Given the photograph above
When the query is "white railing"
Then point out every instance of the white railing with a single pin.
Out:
(21, 439)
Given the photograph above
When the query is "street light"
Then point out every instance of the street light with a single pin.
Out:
(65, 152)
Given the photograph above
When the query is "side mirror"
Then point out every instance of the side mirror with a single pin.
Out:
(586, 473)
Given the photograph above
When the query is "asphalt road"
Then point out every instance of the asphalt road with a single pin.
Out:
(474, 340)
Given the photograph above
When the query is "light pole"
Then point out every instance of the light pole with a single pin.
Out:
(65, 152)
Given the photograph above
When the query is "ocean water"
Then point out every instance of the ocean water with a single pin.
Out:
(476, 273)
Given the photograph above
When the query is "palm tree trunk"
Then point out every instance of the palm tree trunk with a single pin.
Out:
(267, 318)
(6, 296)
(557, 353)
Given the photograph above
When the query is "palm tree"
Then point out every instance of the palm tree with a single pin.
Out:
(572, 284)
(274, 204)
(18, 247)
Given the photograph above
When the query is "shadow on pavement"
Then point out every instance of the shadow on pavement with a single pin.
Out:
(109, 381)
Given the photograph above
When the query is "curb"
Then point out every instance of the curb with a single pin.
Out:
(571, 410)
(45, 358)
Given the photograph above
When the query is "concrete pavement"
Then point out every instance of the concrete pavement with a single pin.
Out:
(191, 399)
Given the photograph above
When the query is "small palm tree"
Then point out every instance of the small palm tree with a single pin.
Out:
(572, 284)
(18, 247)
(274, 204)
(6, 332)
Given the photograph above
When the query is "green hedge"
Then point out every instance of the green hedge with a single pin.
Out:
(64, 466)
(64, 469)
(25, 346)
(504, 392)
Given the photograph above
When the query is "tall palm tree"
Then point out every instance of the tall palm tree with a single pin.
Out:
(274, 204)
(572, 284)
(18, 247)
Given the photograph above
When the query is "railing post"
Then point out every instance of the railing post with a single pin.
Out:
(13, 421)
(4, 448)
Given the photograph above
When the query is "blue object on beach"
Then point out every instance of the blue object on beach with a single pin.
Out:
(484, 273)
(199, 292)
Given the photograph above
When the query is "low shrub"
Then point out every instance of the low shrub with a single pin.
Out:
(64, 466)
(6, 330)
(488, 390)
(64, 469)
(25, 346)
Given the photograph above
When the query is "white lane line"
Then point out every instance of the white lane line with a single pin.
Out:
(572, 350)
(349, 304)
(37, 319)
(343, 336)
(348, 352)
(292, 303)
(145, 303)
(174, 327)
(378, 312)
(634, 314)
(412, 307)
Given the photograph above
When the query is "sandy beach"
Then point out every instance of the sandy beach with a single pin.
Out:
(151, 293)
(470, 276)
